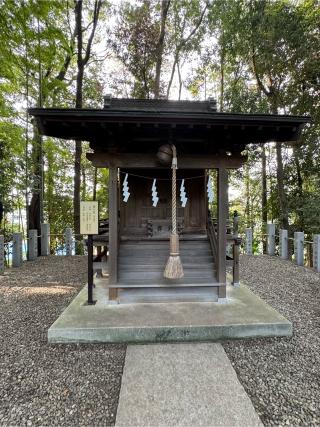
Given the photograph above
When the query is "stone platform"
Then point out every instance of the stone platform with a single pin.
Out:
(241, 315)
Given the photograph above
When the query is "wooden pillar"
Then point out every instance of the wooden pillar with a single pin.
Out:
(235, 268)
(222, 229)
(113, 230)
(236, 250)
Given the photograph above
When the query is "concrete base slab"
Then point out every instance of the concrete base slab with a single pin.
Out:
(242, 315)
(182, 385)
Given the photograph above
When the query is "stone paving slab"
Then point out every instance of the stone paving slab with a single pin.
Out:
(182, 385)
(242, 315)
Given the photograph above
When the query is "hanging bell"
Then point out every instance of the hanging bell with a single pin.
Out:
(164, 154)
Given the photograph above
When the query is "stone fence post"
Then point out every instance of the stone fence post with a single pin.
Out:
(316, 252)
(271, 239)
(1, 254)
(299, 247)
(17, 249)
(32, 245)
(68, 241)
(45, 239)
(235, 224)
(283, 243)
(248, 241)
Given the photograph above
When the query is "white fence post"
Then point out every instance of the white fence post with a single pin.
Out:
(17, 249)
(33, 245)
(271, 239)
(45, 239)
(283, 243)
(1, 254)
(248, 241)
(68, 241)
(316, 252)
(298, 247)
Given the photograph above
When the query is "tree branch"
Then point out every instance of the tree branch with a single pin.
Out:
(63, 71)
(194, 30)
(97, 7)
(182, 43)
(256, 74)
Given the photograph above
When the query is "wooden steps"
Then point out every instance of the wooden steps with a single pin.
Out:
(157, 276)
(183, 237)
(142, 263)
(158, 265)
(158, 260)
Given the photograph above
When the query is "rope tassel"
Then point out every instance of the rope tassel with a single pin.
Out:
(174, 268)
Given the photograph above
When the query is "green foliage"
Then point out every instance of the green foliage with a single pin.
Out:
(253, 56)
(135, 44)
(11, 165)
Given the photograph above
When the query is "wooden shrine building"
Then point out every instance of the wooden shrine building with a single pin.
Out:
(125, 136)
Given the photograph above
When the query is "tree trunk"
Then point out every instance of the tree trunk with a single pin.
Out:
(299, 190)
(284, 222)
(283, 204)
(222, 56)
(164, 12)
(84, 184)
(78, 147)
(95, 181)
(34, 209)
(180, 81)
(264, 216)
(49, 185)
(83, 56)
(247, 184)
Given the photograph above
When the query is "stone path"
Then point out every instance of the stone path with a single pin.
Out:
(182, 385)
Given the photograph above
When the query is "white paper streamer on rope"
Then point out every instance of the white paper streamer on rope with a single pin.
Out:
(155, 197)
(183, 195)
(125, 189)
(210, 190)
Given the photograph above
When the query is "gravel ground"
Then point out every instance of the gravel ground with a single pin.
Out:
(62, 385)
(282, 375)
(41, 384)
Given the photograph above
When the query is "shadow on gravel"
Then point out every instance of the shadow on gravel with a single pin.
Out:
(43, 384)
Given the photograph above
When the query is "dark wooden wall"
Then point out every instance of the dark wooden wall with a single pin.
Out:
(135, 213)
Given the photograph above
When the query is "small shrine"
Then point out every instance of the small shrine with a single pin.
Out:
(163, 243)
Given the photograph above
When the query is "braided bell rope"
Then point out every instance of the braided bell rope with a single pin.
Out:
(174, 190)
(174, 202)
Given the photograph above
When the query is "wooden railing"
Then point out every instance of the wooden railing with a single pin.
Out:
(234, 261)
(232, 238)
(96, 261)
(213, 237)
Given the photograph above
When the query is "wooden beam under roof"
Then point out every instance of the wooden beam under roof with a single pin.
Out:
(143, 160)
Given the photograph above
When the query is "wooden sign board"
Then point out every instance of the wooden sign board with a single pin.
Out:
(89, 218)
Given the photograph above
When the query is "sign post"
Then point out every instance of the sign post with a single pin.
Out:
(89, 224)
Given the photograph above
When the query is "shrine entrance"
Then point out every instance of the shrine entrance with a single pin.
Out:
(139, 218)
